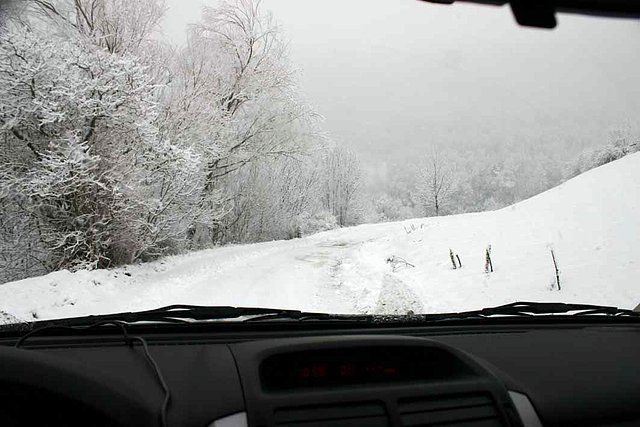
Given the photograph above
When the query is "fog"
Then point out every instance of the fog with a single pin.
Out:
(391, 78)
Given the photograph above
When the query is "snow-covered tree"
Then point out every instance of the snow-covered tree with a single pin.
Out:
(275, 199)
(233, 99)
(622, 144)
(118, 26)
(435, 182)
(81, 156)
(341, 184)
(390, 207)
(253, 86)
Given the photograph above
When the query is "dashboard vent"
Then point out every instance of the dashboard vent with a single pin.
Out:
(469, 410)
(370, 414)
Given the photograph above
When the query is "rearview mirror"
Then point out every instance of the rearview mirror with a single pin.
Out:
(541, 13)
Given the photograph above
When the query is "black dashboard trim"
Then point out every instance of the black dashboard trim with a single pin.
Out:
(234, 332)
(261, 404)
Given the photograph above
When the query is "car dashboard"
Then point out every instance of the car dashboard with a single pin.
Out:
(294, 374)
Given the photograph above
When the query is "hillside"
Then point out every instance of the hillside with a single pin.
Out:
(592, 222)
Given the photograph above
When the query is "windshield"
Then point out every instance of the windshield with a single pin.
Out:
(360, 157)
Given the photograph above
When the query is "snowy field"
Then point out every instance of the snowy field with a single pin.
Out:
(592, 222)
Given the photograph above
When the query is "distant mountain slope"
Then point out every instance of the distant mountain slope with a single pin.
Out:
(592, 222)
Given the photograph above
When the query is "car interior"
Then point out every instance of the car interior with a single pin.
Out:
(534, 370)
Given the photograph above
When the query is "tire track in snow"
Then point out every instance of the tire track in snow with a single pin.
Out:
(357, 272)
(396, 297)
(331, 291)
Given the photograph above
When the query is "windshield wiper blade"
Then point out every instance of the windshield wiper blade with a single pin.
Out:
(516, 309)
(184, 313)
(532, 309)
(309, 316)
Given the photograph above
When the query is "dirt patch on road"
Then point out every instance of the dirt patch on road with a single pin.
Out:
(397, 298)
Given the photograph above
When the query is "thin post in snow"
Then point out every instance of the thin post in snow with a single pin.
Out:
(488, 265)
(555, 265)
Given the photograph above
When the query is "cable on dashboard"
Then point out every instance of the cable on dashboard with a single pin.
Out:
(121, 325)
(163, 383)
(128, 339)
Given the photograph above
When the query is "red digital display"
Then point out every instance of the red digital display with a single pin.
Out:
(325, 368)
(346, 370)
(315, 371)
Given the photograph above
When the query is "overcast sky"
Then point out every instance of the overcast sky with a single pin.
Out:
(393, 76)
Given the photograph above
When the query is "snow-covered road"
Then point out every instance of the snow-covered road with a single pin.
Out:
(592, 223)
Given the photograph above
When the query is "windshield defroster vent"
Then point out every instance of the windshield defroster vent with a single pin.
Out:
(469, 410)
(370, 414)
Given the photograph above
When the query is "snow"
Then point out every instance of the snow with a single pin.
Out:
(592, 222)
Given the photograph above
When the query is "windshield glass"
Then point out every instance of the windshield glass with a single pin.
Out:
(364, 157)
